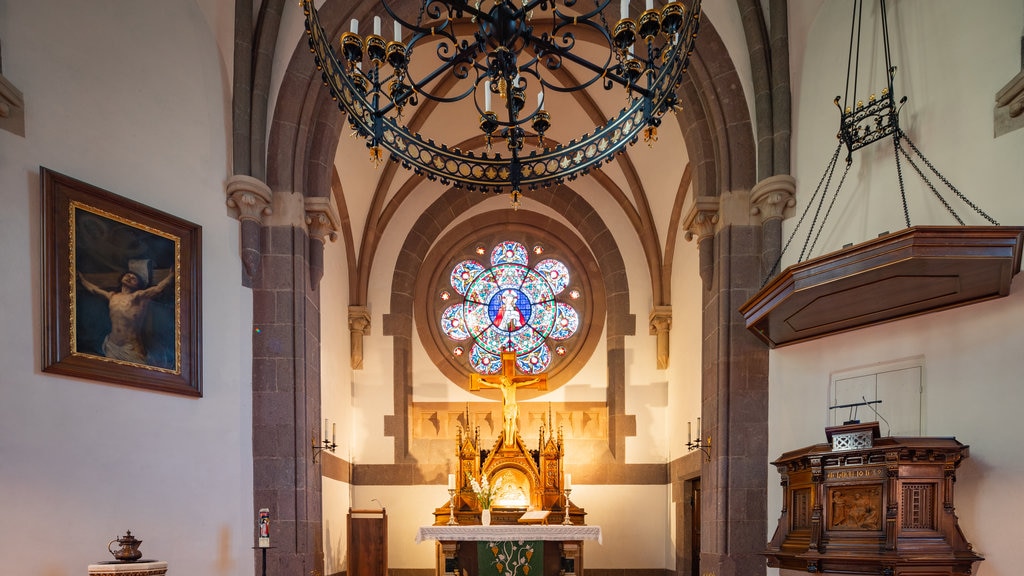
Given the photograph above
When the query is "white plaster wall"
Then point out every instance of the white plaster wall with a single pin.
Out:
(685, 342)
(337, 498)
(128, 97)
(951, 63)
(336, 398)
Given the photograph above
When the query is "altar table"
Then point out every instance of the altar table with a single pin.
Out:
(459, 547)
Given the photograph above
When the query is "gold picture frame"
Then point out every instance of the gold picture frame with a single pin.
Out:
(121, 298)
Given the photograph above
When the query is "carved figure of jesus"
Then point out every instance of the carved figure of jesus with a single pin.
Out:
(508, 383)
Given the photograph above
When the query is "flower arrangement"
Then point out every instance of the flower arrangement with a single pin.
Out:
(483, 489)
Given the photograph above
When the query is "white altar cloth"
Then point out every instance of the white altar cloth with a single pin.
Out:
(508, 532)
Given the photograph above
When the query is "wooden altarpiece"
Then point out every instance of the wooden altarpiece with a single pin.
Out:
(530, 479)
(869, 505)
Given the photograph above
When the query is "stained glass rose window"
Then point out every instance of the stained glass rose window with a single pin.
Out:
(510, 304)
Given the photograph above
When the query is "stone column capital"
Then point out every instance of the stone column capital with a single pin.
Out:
(322, 219)
(249, 197)
(770, 197)
(701, 220)
(359, 319)
(660, 324)
(660, 319)
(358, 326)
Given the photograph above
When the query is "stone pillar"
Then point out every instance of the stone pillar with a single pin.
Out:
(249, 199)
(286, 393)
(770, 199)
(735, 411)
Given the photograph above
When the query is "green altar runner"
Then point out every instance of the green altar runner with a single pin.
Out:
(509, 550)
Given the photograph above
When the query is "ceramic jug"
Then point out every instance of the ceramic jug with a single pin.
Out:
(128, 550)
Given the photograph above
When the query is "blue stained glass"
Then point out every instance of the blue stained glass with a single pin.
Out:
(527, 339)
(493, 340)
(510, 306)
(510, 252)
(477, 319)
(543, 317)
(566, 323)
(510, 275)
(509, 309)
(556, 274)
(464, 273)
(536, 361)
(483, 289)
(453, 323)
(537, 288)
(483, 361)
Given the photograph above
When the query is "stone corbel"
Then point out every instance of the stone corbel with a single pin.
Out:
(1009, 110)
(700, 223)
(358, 326)
(249, 198)
(322, 222)
(771, 197)
(660, 325)
(12, 108)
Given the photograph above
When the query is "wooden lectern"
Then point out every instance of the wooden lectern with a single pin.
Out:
(367, 542)
(869, 505)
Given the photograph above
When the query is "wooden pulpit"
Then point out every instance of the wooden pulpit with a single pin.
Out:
(869, 505)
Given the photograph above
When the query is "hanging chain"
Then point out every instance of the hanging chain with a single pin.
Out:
(835, 196)
(817, 211)
(828, 171)
(948, 184)
(899, 174)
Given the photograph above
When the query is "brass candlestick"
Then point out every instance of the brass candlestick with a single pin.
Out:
(451, 508)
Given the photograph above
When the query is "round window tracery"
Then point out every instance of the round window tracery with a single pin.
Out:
(510, 305)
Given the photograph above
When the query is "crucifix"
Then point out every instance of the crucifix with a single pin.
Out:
(508, 382)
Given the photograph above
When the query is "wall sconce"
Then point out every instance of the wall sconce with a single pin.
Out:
(700, 444)
(329, 446)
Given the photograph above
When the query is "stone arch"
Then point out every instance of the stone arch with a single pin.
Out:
(620, 321)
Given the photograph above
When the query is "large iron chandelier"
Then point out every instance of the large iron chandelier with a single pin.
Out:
(504, 56)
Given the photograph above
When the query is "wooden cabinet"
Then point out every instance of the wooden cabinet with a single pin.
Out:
(884, 506)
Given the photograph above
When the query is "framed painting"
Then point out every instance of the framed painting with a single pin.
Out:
(121, 298)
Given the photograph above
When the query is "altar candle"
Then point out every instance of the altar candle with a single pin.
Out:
(376, 25)
(354, 26)
(568, 481)
(451, 481)
(398, 32)
(624, 9)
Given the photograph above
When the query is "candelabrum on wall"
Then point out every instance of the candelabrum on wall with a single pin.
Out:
(328, 445)
(701, 444)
